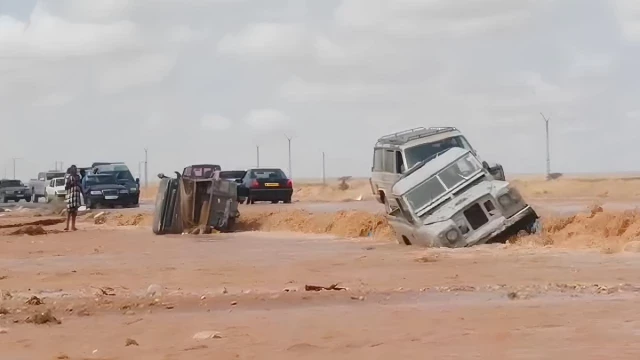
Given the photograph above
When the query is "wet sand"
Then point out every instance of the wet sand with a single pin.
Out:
(109, 284)
(566, 295)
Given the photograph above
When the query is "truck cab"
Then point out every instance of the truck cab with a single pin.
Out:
(396, 153)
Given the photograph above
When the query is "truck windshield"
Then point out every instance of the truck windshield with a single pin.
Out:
(433, 188)
(11, 183)
(421, 152)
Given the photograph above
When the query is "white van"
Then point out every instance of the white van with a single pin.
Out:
(395, 153)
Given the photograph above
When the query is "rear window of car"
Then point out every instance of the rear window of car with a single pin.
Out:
(268, 174)
(232, 174)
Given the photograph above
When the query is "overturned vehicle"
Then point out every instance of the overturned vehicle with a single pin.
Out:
(451, 200)
(194, 203)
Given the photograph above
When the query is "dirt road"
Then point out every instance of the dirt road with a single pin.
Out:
(113, 290)
(106, 285)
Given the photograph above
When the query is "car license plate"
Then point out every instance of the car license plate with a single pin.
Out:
(19, 195)
(111, 197)
(271, 184)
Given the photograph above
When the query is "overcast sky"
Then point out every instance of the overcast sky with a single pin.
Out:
(208, 80)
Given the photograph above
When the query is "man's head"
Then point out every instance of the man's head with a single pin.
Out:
(73, 170)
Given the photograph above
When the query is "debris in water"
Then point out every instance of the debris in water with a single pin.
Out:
(34, 300)
(320, 288)
(31, 230)
(131, 342)
(43, 318)
(205, 335)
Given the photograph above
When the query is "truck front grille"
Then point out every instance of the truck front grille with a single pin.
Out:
(109, 192)
(476, 216)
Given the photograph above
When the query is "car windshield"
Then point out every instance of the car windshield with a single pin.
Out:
(421, 152)
(100, 179)
(232, 174)
(268, 174)
(51, 176)
(433, 188)
(11, 183)
(120, 175)
(59, 182)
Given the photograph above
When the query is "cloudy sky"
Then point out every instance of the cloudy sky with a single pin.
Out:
(208, 80)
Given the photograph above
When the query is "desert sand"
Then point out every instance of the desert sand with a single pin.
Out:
(114, 290)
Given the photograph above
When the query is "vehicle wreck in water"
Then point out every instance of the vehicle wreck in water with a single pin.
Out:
(451, 200)
(193, 202)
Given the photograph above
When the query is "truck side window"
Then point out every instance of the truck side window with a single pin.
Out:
(41, 176)
(378, 164)
(389, 161)
(400, 168)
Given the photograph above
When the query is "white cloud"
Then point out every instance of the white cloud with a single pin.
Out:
(214, 122)
(144, 70)
(299, 90)
(419, 18)
(266, 119)
(46, 35)
(265, 39)
(628, 15)
(591, 65)
(183, 34)
(54, 99)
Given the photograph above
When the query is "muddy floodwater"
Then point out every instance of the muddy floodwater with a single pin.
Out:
(106, 286)
(113, 290)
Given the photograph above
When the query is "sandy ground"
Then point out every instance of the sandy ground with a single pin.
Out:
(113, 290)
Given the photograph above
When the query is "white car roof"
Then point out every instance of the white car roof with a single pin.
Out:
(427, 170)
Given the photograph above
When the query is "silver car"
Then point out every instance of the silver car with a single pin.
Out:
(452, 200)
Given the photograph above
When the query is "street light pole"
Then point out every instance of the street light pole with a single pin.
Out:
(324, 174)
(146, 168)
(14, 166)
(289, 139)
(546, 125)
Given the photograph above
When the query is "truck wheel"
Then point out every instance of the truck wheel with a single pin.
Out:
(27, 199)
(287, 200)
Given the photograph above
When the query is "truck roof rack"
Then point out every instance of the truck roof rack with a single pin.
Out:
(403, 137)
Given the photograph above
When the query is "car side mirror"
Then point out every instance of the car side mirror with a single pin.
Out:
(161, 175)
(138, 181)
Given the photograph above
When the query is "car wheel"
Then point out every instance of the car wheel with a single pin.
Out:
(287, 200)
(27, 199)
(274, 201)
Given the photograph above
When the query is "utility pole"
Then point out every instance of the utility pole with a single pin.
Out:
(546, 125)
(14, 166)
(289, 139)
(146, 168)
(258, 156)
(324, 174)
(140, 169)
